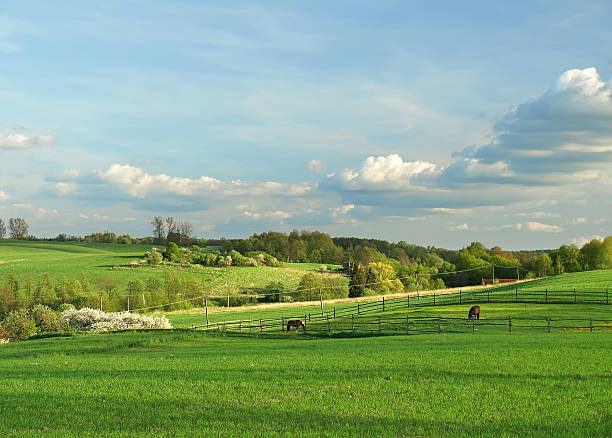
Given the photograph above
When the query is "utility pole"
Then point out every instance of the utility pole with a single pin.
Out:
(321, 300)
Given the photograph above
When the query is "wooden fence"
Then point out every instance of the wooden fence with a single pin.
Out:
(357, 318)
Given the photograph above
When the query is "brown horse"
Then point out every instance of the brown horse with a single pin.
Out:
(295, 323)
(474, 312)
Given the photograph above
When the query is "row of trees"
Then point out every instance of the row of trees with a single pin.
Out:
(18, 228)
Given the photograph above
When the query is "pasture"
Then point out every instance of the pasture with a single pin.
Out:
(190, 383)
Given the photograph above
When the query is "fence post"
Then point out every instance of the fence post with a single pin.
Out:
(383, 304)
(357, 308)
(334, 312)
(328, 328)
(516, 294)
(606, 296)
(409, 299)
(379, 328)
(509, 324)
(128, 304)
(459, 296)
(473, 325)
(206, 307)
(407, 325)
(591, 323)
(353, 322)
(434, 299)
(489, 294)
(308, 316)
(439, 328)
(240, 326)
(100, 303)
(548, 321)
(260, 325)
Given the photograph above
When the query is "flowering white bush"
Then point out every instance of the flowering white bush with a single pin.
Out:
(87, 319)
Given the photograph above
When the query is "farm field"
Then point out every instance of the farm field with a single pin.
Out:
(200, 384)
(96, 260)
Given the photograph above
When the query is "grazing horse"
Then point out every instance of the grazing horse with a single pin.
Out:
(295, 323)
(474, 312)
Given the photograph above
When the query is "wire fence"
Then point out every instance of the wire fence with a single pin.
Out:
(358, 318)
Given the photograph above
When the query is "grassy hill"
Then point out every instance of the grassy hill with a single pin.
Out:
(198, 384)
(70, 259)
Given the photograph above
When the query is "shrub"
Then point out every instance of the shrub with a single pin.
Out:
(87, 319)
(4, 336)
(332, 286)
(45, 318)
(173, 253)
(271, 293)
(153, 257)
(19, 324)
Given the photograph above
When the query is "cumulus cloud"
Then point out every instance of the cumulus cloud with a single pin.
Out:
(315, 166)
(4, 196)
(389, 172)
(546, 228)
(568, 129)
(21, 141)
(461, 227)
(137, 183)
(64, 188)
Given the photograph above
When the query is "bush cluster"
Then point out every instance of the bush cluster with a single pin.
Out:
(87, 319)
(22, 323)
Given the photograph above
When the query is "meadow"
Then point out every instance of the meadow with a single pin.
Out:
(71, 259)
(190, 383)
(184, 382)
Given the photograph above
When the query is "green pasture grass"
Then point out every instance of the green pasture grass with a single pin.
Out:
(588, 280)
(179, 384)
(70, 259)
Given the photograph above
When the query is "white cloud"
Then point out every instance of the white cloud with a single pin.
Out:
(315, 166)
(538, 226)
(83, 216)
(21, 141)
(22, 205)
(580, 241)
(43, 212)
(462, 227)
(578, 221)
(4, 196)
(139, 184)
(340, 214)
(64, 188)
(71, 173)
(389, 172)
(278, 214)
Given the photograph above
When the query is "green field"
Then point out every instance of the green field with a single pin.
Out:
(206, 383)
(96, 260)
(198, 384)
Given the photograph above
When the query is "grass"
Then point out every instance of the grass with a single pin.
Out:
(198, 384)
(71, 259)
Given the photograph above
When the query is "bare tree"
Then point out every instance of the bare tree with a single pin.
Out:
(2, 229)
(159, 228)
(172, 228)
(19, 228)
(185, 230)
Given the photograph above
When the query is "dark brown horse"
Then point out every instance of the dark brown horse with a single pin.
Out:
(297, 323)
(474, 312)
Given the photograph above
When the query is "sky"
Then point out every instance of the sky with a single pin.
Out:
(436, 123)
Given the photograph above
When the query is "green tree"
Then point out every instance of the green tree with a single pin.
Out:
(544, 265)
(173, 253)
(357, 282)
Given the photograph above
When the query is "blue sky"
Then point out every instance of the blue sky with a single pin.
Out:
(436, 123)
